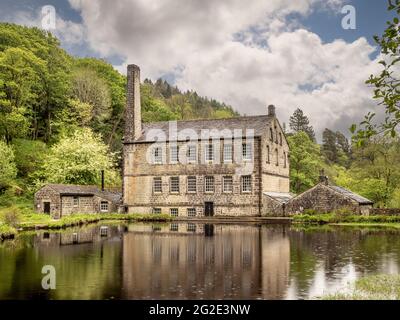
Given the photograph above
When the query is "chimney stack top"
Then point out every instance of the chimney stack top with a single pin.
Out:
(271, 110)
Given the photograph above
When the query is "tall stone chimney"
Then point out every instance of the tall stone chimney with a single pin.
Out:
(323, 178)
(271, 110)
(133, 118)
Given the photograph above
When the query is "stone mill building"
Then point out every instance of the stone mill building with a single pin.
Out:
(223, 167)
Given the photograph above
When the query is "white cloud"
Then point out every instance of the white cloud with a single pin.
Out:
(248, 54)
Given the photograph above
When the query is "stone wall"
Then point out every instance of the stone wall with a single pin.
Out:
(47, 194)
(85, 205)
(385, 211)
(321, 199)
(272, 207)
(138, 183)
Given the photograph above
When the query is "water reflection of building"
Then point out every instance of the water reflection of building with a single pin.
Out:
(215, 261)
(82, 235)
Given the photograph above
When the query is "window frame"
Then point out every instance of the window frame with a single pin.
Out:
(75, 201)
(157, 159)
(175, 214)
(195, 184)
(189, 160)
(173, 156)
(242, 183)
(212, 178)
(104, 203)
(154, 184)
(191, 215)
(155, 210)
(209, 147)
(171, 184)
(230, 160)
(249, 155)
(224, 184)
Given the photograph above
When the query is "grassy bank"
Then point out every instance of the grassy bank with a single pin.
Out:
(37, 220)
(379, 287)
(7, 232)
(346, 219)
(14, 218)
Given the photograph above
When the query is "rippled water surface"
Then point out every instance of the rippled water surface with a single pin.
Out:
(195, 261)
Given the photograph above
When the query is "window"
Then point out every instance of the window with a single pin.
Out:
(271, 134)
(191, 227)
(209, 152)
(191, 184)
(191, 153)
(174, 184)
(76, 202)
(75, 238)
(284, 160)
(276, 135)
(280, 138)
(191, 212)
(103, 231)
(227, 184)
(173, 212)
(157, 155)
(156, 210)
(157, 185)
(174, 154)
(276, 157)
(246, 183)
(104, 206)
(228, 152)
(246, 151)
(174, 227)
(209, 184)
(268, 155)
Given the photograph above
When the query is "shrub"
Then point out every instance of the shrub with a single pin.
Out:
(12, 216)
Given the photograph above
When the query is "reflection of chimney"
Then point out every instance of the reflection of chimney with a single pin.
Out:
(102, 180)
(133, 118)
(271, 110)
(323, 178)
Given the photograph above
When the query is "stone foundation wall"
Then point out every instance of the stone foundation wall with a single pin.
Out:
(384, 211)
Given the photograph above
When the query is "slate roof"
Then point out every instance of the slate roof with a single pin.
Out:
(193, 128)
(282, 197)
(350, 194)
(70, 189)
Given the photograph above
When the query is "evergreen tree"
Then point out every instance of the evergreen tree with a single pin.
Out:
(299, 122)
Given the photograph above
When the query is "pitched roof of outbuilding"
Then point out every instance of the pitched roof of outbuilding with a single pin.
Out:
(71, 189)
(282, 197)
(193, 128)
(354, 196)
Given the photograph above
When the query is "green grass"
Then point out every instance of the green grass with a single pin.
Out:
(7, 232)
(81, 219)
(378, 287)
(346, 219)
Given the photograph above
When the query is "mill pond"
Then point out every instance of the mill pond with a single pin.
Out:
(195, 261)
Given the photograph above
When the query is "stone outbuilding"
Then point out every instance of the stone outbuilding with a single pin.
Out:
(325, 197)
(60, 200)
(274, 203)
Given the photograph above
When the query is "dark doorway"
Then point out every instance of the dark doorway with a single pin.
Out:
(46, 207)
(208, 230)
(208, 209)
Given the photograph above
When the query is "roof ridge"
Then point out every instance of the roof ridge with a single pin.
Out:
(209, 119)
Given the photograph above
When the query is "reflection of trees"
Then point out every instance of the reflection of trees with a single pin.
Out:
(84, 271)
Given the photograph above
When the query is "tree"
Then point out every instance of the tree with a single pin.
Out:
(29, 156)
(78, 159)
(8, 170)
(305, 162)
(386, 84)
(375, 171)
(299, 122)
(89, 88)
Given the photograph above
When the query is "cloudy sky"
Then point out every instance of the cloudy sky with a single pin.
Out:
(246, 53)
